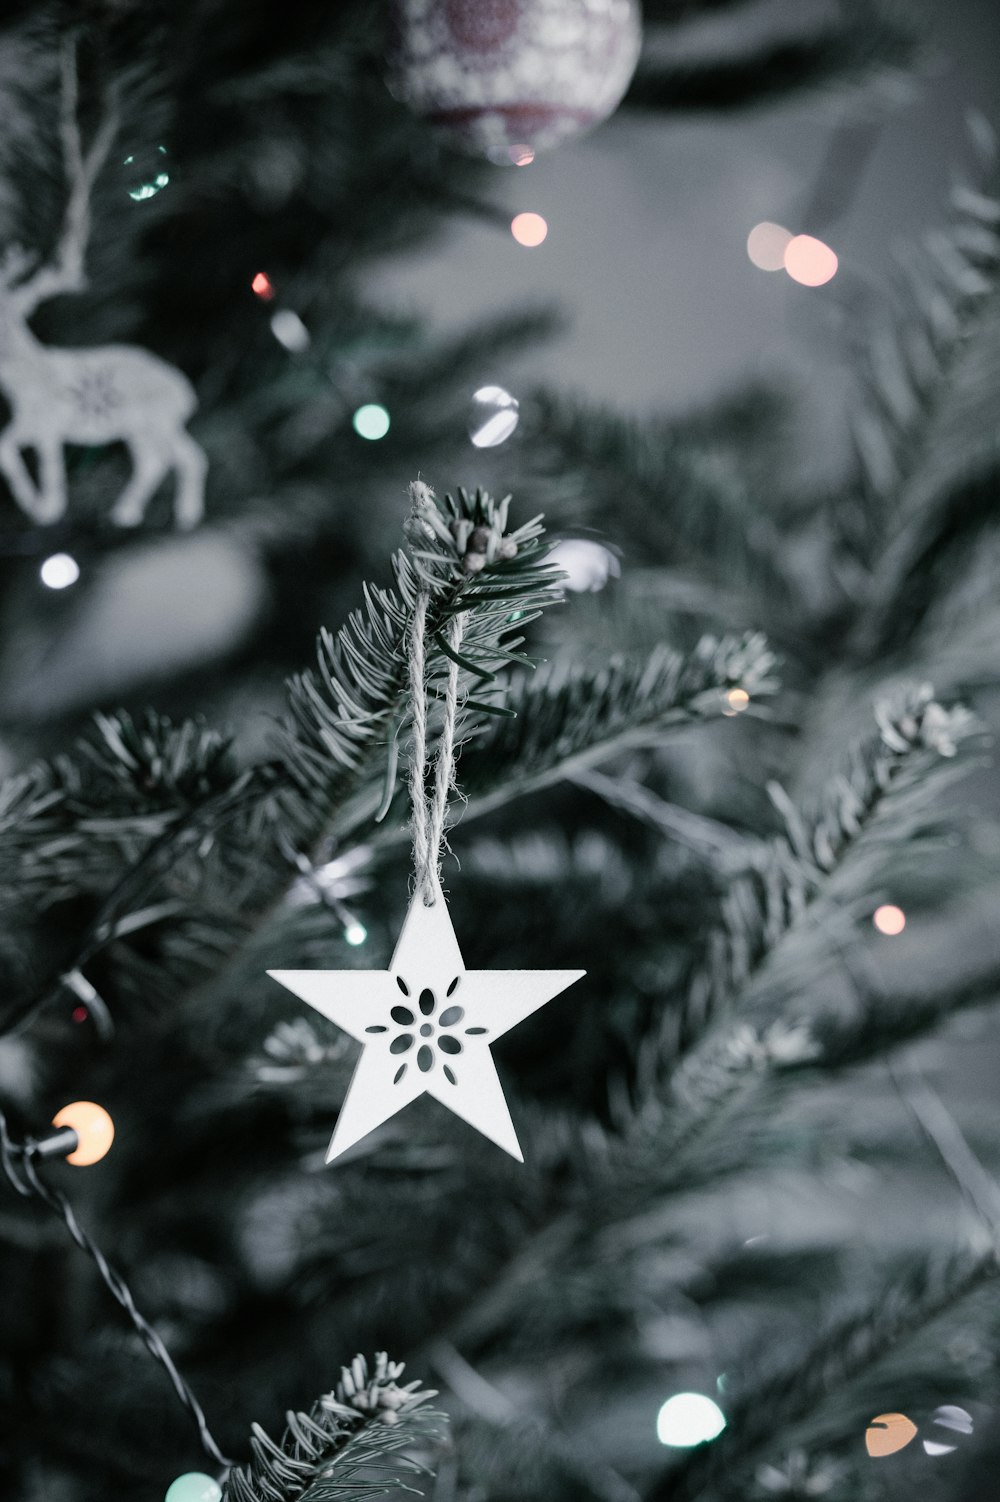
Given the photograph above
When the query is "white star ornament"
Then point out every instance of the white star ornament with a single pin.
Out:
(426, 1024)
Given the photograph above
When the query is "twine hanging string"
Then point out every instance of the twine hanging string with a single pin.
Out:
(430, 808)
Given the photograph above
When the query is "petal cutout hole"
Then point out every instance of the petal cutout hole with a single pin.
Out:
(449, 1076)
(402, 1043)
(425, 1059)
(454, 985)
(471, 1030)
(378, 1029)
(451, 1015)
(400, 982)
(402, 1015)
(427, 1001)
(448, 1044)
(399, 1074)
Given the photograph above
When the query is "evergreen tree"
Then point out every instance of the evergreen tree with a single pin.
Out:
(699, 784)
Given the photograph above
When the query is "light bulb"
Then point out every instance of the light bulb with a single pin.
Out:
(528, 229)
(94, 1128)
(148, 173)
(687, 1419)
(371, 421)
(766, 245)
(889, 919)
(289, 330)
(59, 571)
(588, 565)
(889, 1433)
(194, 1486)
(262, 286)
(810, 262)
(493, 418)
(355, 933)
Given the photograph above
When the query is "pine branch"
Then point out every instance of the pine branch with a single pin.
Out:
(840, 54)
(568, 719)
(668, 490)
(760, 1419)
(69, 824)
(676, 12)
(355, 706)
(924, 436)
(72, 822)
(896, 771)
(879, 1022)
(350, 1446)
(908, 369)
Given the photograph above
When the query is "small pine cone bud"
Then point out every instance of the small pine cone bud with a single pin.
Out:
(388, 1417)
(479, 540)
(508, 548)
(393, 1397)
(936, 730)
(474, 563)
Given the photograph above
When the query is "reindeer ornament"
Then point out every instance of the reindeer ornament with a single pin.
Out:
(87, 396)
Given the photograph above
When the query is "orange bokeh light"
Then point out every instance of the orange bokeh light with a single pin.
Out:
(528, 229)
(766, 245)
(889, 919)
(261, 284)
(810, 262)
(521, 156)
(92, 1125)
(889, 1433)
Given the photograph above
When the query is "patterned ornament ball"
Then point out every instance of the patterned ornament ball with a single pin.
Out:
(507, 78)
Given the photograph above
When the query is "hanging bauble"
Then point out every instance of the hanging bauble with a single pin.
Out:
(507, 78)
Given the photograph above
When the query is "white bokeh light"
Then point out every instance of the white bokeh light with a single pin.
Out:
(809, 261)
(766, 245)
(494, 416)
(687, 1419)
(587, 565)
(59, 571)
(371, 421)
(289, 330)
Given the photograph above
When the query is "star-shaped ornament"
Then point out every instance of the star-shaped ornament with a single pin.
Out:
(426, 1024)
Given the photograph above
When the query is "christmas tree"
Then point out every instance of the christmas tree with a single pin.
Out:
(678, 713)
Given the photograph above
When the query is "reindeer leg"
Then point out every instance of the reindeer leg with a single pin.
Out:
(149, 464)
(190, 465)
(52, 496)
(15, 472)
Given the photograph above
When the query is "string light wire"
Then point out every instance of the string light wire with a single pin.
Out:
(17, 1161)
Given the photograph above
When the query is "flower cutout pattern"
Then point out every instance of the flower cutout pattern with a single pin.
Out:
(428, 1028)
(96, 393)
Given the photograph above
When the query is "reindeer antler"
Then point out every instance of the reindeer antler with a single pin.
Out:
(66, 273)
